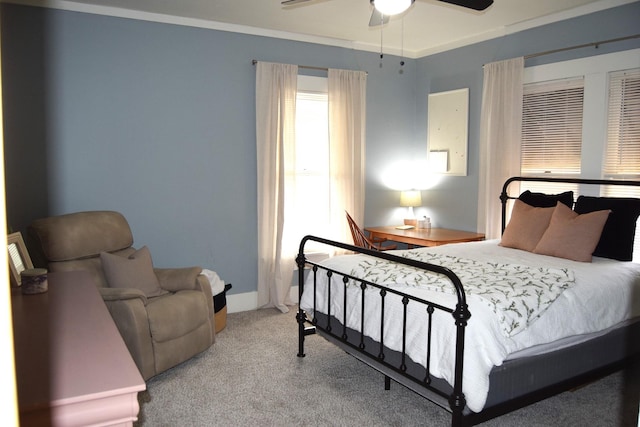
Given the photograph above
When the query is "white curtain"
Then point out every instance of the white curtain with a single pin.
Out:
(347, 120)
(500, 134)
(276, 87)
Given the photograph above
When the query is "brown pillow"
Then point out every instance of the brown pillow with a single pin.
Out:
(526, 226)
(572, 236)
(136, 271)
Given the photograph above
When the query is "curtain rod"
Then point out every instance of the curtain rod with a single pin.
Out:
(532, 55)
(308, 67)
(594, 44)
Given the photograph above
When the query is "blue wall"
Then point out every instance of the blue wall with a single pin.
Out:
(158, 121)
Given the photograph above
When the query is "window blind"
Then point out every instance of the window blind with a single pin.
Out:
(622, 158)
(552, 127)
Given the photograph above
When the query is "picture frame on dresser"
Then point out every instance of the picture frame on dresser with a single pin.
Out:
(19, 259)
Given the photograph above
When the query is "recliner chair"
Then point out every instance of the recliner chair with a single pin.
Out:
(162, 328)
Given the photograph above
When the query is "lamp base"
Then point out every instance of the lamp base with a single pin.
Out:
(411, 221)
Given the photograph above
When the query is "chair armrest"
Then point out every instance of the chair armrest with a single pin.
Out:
(120, 294)
(178, 279)
(129, 312)
(188, 278)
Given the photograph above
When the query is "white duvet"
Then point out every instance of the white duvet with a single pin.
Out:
(601, 297)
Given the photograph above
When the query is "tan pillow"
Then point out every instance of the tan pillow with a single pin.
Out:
(526, 226)
(571, 235)
(136, 271)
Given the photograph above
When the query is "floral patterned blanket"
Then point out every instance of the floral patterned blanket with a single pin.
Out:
(517, 294)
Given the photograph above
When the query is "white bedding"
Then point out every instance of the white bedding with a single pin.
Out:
(600, 298)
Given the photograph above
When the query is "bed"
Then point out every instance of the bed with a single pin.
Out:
(484, 328)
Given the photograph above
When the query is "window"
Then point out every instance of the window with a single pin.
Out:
(568, 130)
(552, 128)
(623, 129)
(552, 132)
(308, 208)
(622, 158)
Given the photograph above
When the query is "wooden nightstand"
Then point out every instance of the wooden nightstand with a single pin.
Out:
(424, 237)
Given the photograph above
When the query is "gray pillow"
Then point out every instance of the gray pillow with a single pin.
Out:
(136, 271)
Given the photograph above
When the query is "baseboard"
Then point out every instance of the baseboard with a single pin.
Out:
(242, 302)
(249, 300)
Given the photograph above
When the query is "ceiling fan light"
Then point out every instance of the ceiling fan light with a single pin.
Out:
(391, 7)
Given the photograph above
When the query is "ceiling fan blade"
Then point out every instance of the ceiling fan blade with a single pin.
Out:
(377, 18)
(471, 4)
(292, 2)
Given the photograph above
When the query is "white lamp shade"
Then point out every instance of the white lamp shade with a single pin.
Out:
(410, 198)
(391, 7)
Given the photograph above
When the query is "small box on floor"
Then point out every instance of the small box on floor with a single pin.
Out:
(220, 308)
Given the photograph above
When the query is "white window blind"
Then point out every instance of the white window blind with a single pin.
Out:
(552, 128)
(622, 158)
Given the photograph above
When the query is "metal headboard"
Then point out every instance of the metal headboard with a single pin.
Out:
(504, 196)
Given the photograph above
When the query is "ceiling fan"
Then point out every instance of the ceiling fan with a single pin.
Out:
(379, 18)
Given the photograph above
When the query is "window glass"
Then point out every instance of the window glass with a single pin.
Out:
(307, 207)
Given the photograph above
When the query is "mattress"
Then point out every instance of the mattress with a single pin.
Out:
(599, 296)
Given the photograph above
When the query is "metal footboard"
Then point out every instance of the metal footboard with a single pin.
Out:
(377, 357)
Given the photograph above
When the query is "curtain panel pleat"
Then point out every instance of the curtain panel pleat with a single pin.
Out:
(500, 134)
(276, 88)
(347, 120)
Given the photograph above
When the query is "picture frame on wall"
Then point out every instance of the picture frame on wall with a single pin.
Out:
(19, 259)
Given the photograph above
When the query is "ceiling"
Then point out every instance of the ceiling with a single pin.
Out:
(428, 27)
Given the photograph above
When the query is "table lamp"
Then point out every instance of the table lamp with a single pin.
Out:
(410, 199)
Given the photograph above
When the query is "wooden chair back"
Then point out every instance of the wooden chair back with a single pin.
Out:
(361, 240)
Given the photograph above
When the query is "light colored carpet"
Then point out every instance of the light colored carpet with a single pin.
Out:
(252, 377)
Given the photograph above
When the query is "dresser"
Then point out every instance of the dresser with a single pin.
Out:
(72, 366)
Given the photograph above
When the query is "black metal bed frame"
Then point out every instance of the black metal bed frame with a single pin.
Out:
(399, 373)
(454, 401)
(504, 196)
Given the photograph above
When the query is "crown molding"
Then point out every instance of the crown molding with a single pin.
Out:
(367, 47)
